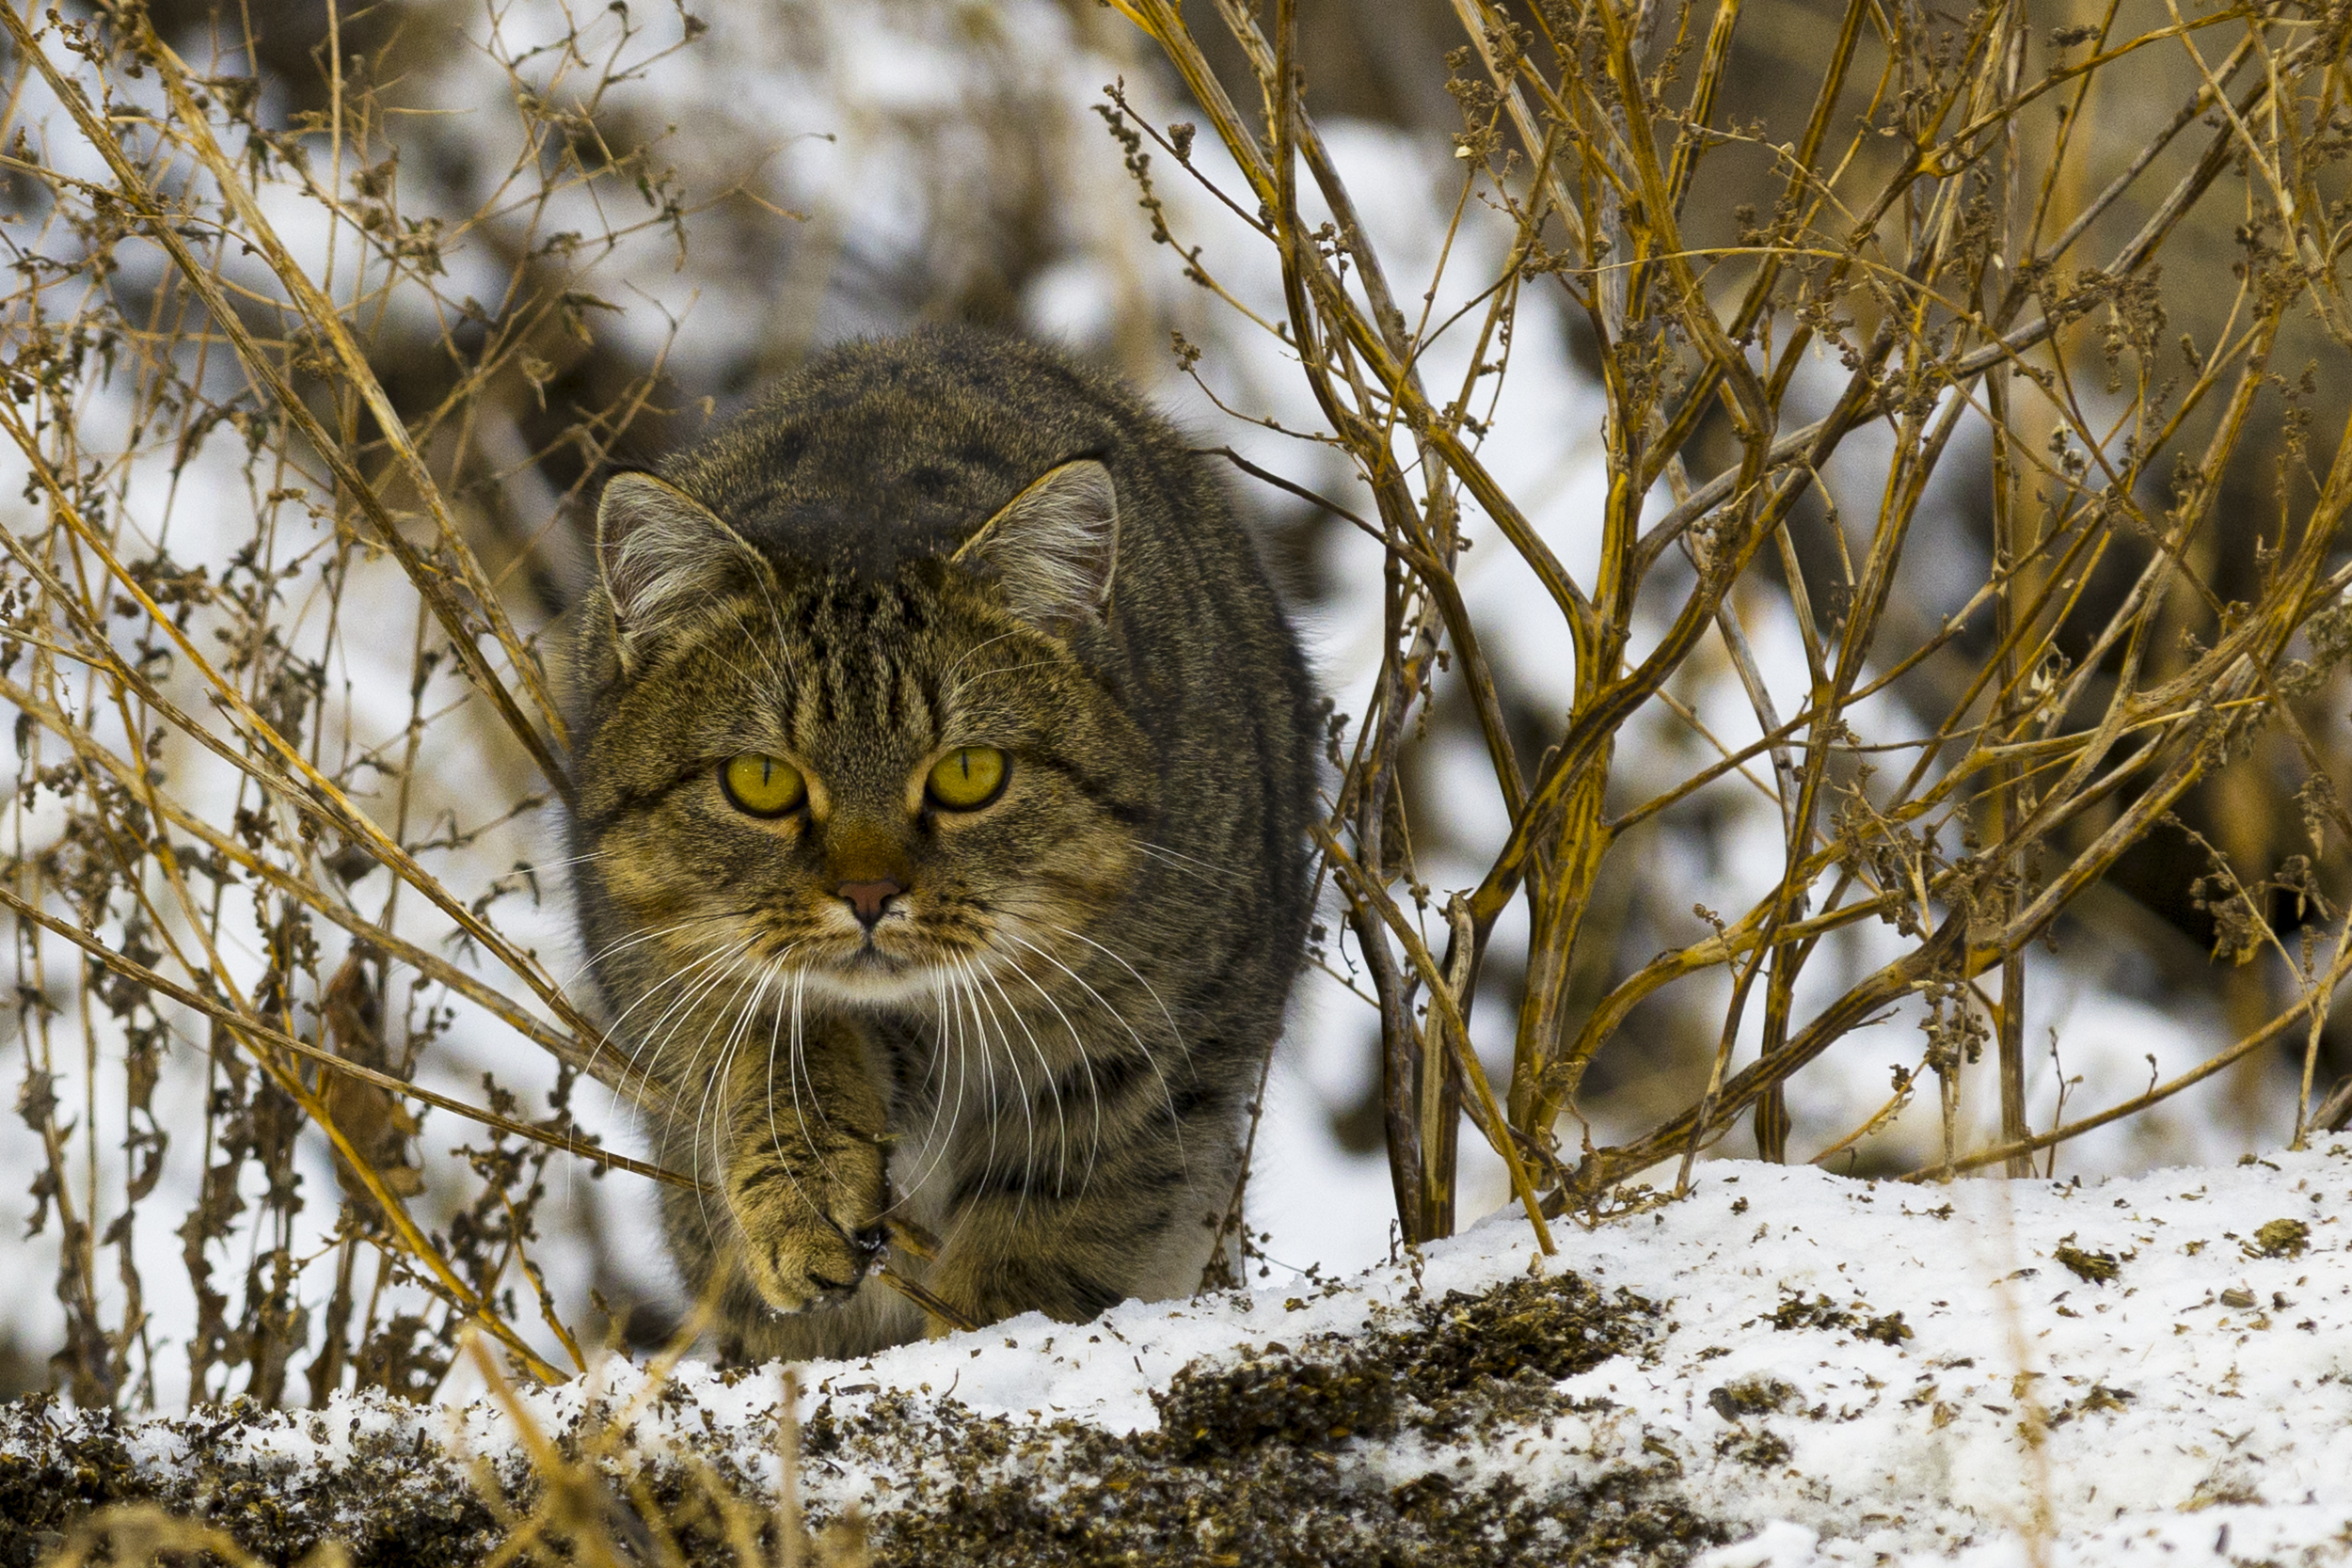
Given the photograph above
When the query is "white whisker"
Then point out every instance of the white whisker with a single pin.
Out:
(640, 1049)
(620, 944)
(716, 1084)
(775, 1030)
(1021, 1088)
(1173, 1033)
(1181, 861)
(798, 1061)
(935, 1145)
(1174, 1122)
(998, 669)
(1061, 1122)
(1086, 1060)
(973, 652)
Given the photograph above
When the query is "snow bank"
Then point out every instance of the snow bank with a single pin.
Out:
(1782, 1367)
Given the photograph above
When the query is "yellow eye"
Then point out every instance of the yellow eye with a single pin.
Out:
(967, 778)
(762, 785)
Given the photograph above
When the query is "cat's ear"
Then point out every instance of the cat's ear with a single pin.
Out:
(663, 554)
(1054, 548)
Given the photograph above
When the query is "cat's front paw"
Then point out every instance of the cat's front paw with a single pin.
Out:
(809, 1235)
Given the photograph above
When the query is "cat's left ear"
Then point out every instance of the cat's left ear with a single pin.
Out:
(1054, 548)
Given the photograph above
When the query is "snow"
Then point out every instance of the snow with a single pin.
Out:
(1837, 1371)
(2204, 1375)
(2205, 1378)
(1917, 1449)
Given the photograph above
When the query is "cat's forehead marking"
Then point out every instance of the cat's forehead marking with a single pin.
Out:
(864, 674)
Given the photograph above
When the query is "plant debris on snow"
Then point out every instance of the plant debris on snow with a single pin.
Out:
(1828, 1371)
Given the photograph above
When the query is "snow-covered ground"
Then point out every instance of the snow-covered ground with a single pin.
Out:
(1783, 1367)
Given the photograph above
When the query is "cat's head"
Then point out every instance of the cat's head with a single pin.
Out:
(873, 787)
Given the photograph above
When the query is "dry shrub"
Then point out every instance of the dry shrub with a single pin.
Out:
(214, 773)
(1992, 278)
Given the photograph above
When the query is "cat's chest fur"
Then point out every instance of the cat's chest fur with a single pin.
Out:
(946, 765)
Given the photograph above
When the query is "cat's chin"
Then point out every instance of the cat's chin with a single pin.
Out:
(872, 980)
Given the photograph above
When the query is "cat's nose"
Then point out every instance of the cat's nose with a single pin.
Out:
(868, 899)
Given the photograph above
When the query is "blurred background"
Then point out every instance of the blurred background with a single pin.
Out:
(716, 193)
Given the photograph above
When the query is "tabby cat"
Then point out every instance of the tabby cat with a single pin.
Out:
(944, 765)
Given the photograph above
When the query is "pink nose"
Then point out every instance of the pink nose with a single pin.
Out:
(868, 899)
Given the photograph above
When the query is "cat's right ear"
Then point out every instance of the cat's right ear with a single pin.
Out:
(1053, 551)
(663, 556)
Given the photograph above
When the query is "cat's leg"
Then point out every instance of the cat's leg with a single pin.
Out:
(804, 1175)
(1070, 1226)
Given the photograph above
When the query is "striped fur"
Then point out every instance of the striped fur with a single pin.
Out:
(1042, 1053)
